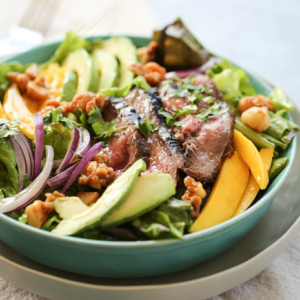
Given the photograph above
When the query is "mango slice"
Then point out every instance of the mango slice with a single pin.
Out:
(225, 195)
(252, 187)
(2, 112)
(15, 109)
(251, 157)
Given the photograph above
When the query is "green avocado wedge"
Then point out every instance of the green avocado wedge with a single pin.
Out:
(80, 62)
(111, 199)
(125, 51)
(69, 86)
(107, 67)
(68, 207)
(142, 199)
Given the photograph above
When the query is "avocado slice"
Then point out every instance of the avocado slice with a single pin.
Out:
(148, 193)
(69, 86)
(80, 62)
(107, 67)
(112, 198)
(125, 51)
(68, 207)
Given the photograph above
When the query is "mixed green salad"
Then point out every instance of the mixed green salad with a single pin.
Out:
(109, 141)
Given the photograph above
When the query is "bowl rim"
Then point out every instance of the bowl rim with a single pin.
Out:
(200, 235)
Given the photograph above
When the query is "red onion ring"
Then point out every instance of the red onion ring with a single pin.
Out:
(25, 197)
(39, 143)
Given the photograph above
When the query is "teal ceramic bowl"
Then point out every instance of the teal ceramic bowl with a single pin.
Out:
(135, 259)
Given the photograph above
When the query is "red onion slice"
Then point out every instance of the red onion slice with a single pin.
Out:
(28, 153)
(61, 179)
(22, 199)
(39, 143)
(90, 154)
(85, 144)
(71, 150)
(21, 162)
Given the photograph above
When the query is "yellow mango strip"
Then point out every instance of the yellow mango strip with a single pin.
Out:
(15, 109)
(2, 112)
(251, 157)
(225, 195)
(252, 187)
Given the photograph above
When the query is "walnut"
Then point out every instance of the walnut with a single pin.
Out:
(193, 195)
(32, 72)
(52, 197)
(147, 54)
(153, 72)
(20, 79)
(36, 92)
(97, 175)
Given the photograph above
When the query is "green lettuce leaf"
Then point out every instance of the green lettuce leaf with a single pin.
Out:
(13, 66)
(51, 224)
(228, 83)
(71, 43)
(59, 138)
(12, 130)
(281, 129)
(157, 225)
(9, 176)
(281, 102)
(178, 211)
(17, 214)
(138, 81)
(245, 86)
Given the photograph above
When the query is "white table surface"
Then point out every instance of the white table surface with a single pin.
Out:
(259, 35)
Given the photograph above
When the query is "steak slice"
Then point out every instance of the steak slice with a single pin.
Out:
(165, 154)
(208, 143)
(130, 146)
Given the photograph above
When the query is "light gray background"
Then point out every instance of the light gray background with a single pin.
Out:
(259, 35)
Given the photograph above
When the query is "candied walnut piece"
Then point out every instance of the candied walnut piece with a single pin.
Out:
(101, 158)
(153, 72)
(96, 175)
(36, 93)
(88, 197)
(21, 80)
(38, 213)
(255, 101)
(193, 195)
(147, 54)
(32, 71)
(84, 101)
(52, 197)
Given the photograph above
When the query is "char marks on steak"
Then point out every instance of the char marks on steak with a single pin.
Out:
(130, 146)
(165, 154)
(206, 144)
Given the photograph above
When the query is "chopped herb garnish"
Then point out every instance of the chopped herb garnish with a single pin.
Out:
(145, 127)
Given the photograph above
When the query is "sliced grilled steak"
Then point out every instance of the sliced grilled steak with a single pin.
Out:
(207, 143)
(130, 146)
(165, 153)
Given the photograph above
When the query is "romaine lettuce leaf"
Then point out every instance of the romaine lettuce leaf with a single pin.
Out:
(157, 225)
(281, 102)
(9, 176)
(59, 138)
(71, 43)
(233, 86)
(281, 129)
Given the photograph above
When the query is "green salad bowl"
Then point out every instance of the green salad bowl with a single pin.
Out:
(140, 258)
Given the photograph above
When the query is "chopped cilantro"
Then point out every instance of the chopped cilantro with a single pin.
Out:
(189, 109)
(96, 120)
(55, 116)
(145, 127)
